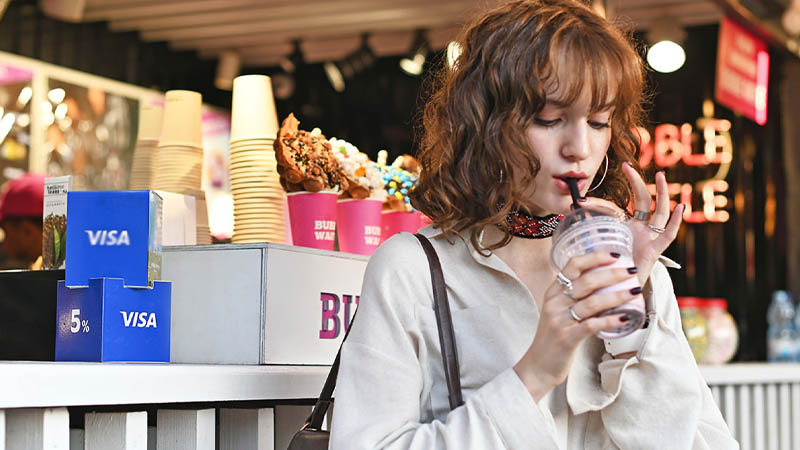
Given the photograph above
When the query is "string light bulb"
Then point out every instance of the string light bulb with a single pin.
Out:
(665, 54)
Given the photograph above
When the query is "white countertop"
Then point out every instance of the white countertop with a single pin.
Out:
(751, 373)
(48, 384)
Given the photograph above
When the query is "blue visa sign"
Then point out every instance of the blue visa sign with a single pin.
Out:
(108, 321)
(113, 234)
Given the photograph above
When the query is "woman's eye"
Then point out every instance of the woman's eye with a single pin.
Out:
(546, 123)
(598, 125)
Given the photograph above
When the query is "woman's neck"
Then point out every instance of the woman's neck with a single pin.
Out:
(521, 254)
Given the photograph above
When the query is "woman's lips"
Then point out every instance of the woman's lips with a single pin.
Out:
(564, 187)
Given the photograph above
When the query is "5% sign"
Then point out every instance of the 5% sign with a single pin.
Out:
(77, 325)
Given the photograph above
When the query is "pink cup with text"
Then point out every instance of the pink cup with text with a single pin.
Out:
(393, 222)
(313, 219)
(424, 220)
(359, 225)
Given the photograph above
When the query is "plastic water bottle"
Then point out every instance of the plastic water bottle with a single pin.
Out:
(797, 333)
(781, 335)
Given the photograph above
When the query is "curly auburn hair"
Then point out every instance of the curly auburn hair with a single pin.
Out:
(475, 124)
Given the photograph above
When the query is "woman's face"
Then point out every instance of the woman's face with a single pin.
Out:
(569, 141)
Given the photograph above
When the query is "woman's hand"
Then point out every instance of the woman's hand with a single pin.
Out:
(547, 362)
(649, 242)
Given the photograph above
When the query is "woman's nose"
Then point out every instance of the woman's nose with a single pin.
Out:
(577, 146)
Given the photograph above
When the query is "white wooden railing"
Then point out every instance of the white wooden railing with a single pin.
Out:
(760, 403)
(255, 407)
(229, 407)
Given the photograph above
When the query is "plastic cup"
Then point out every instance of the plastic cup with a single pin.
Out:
(150, 119)
(253, 114)
(359, 225)
(601, 231)
(182, 119)
(393, 222)
(313, 219)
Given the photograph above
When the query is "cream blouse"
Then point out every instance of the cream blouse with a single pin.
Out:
(392, 394)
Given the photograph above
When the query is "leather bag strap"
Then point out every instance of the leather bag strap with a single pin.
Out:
(314, 421)
(447, 338)
(447, 341)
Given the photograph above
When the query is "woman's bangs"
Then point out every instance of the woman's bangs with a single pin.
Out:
(581, 62)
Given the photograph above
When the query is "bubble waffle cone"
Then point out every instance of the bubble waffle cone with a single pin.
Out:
(363, 176)
(305, 159)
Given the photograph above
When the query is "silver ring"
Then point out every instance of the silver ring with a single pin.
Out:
(574, 316)
(642, 215)
(563, 281)
(566, 283)
(658, 230)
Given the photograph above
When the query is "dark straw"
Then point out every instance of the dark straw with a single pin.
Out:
(573, 190)
(576, 195)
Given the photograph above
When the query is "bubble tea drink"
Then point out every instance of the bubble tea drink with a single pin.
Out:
(598, 229)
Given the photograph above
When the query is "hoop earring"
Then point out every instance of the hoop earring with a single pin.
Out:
(605, 171)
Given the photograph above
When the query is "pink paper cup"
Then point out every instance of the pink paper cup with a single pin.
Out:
(393, 222)
(424, 220)
(313, 219)
(359, 225)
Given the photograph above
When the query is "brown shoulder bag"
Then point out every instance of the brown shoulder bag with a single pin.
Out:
(312, 437)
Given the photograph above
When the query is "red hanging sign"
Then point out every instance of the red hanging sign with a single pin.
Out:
(742, 71)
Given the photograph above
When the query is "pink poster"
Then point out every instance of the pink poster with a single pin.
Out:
(742, 71)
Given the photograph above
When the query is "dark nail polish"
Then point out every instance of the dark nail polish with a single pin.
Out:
(636, 291)
(582, 199)
(625, 318)
(615, 255)
(632, 270)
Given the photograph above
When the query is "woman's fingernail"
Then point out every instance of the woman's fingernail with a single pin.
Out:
(636, 291)
(615, 255)
(632, 270)
(582, 199)
(625, 318)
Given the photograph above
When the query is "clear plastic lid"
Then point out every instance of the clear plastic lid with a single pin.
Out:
(585, 230)
(579, 215)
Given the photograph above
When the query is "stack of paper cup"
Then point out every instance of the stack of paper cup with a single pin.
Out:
(258, 198)
(144, 153)
(179, 161)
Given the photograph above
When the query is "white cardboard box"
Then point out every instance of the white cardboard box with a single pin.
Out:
(260, 303)
(179, 219)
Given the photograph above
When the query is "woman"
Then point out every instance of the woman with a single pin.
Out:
(543, 90)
